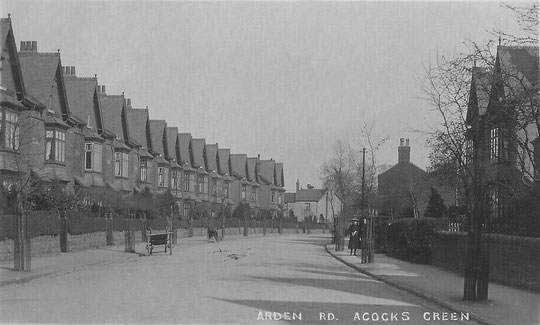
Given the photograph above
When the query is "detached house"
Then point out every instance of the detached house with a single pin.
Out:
(317, 205)
(271, 180)
(503, 125)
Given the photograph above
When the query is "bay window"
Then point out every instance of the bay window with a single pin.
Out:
(10, 130)
(121, 164)
(143, 170)
(92, 156)
(55, 145)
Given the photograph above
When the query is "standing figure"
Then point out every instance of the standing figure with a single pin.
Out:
(354, 232)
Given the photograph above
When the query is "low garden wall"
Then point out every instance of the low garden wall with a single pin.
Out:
(514, 260)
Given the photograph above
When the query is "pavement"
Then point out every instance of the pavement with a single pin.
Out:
(506, 304)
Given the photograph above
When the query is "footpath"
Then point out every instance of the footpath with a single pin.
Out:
(65, 263)
(506, 305)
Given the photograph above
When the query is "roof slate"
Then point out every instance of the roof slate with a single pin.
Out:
(197, 145)
(137, 120)
(157, 131)
(279, 181)
(266, 171)
(238, 165)
(184, 145)
(81, 96)
(252, 169)
(172, 142)
(112, 107)
(40, 70)
(223, 156)
(309, 195)
(211, 157)
(290, 197)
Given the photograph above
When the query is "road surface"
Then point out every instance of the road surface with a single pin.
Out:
(252, 280)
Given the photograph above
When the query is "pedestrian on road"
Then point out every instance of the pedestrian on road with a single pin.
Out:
(354, 233)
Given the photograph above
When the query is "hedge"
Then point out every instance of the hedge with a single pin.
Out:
(410, 239)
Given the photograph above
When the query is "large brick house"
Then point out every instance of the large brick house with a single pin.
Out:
(503, 108)
(404, 188)
(311, 204)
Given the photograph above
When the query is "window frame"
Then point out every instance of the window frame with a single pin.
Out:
(55, 145)
(95, 155)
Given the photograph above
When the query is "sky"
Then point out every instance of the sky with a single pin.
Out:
(282, 79)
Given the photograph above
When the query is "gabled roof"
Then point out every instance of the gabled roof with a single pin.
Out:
(252, 169)
(279, 179)
(309, 195)
(43, 79)
(159, 139)
(197, 146)
(185, 148)
(290, 197)
(479, 94)
(138, 123)
(266, 171)
(211, 157)
(518, 62)
(172, 142)
(8, 44)
(238, 165)
(113, 110)
(223, 156)
(84, 103)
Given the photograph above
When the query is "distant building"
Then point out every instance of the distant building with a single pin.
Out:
(318, 205)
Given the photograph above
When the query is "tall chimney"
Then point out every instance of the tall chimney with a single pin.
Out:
(404, 151)
(297, 185)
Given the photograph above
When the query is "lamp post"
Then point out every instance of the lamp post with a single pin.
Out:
(223, 214)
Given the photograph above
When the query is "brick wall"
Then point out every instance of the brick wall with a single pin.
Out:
(513, 260)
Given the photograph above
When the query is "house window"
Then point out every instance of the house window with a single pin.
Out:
(494, 201)
(143, 168)
(227, 188)
(253, 194)
(307, 207)
(163, 175)
(215, 187)
(468, 151)
(186, 182)
(186, 210)
(55, 145)
(11, 130)
(92, 156)
(121, 164)
(273, 198)
(279, 199)
(244, 189)
(174, 175)
(494, 143)
(201, 184)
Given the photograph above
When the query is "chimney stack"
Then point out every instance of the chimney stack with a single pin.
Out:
(297, 185)
(404, 151)
(29, 46)
(128, 102)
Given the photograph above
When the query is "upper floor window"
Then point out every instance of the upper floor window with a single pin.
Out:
(307, 207)
(244, 189)
(55, 145)
(163, 175)
(273, 198)
(143, 170)
(494, 143)
(254, 194)
(215, 188)
(174, 176)
(279, 199)
(201, 184)
(468, 152)
(121, 164)
(186, 181)
(10, 128)
(92, 156)
(227, 189)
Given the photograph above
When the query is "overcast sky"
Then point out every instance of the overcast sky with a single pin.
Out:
(285, 80)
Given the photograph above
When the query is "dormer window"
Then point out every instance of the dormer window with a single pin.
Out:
(55, 145)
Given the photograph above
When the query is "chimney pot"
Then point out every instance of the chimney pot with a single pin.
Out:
(68, 70)
(23, 46)
(72, 70)
(407, 142)
(29, 45)
(128, 102)
(103, 89)
(34, 46)
(404, 152)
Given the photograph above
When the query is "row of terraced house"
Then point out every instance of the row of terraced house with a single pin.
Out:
(67, 129)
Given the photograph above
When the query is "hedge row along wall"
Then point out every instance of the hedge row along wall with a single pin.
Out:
(514, 260)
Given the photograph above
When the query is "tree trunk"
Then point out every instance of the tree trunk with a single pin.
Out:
(246, 227)
(63, 232)
(21, 249)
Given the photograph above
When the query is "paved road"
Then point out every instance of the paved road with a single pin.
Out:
(236, 281)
